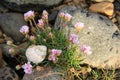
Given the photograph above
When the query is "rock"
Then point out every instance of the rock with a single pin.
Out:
(118, 19)
(118, 1)
(11, 23)
(2, 41)
(3, 9)
(26, 5)
(117, 5)
(53, 15)
(103, 0)
(114, 20)
(106, 8)
(7, 73)
(46, 74)
(100, 33)
(5, 49)
(38, 53)
(0, 57)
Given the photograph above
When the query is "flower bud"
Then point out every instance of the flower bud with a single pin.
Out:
(32, 38)
(68, 17)
(24, 29)
(9, 42)
(18, 67)
(44, 12)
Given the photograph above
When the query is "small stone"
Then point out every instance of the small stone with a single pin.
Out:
(118, 13)
(114, 20)
(118, 19)
(2, 40)
(103, 0)
(0, 57)
(117, 5)
(106, 8)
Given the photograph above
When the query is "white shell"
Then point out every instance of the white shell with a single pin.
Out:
(36, 53)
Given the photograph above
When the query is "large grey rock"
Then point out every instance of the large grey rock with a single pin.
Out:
(99, 33)
(11, 23)
(26, 5)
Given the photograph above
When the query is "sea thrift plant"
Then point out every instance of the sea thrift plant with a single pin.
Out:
(49, 46)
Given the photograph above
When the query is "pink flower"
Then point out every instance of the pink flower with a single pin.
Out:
(68, 17)
(18, 67)
(27, 68)
(44, 12)
(61, 15)
(40, 23)
(29, 15)
(79, 25)
(86, 49)
(74, 38)
(45, 17)
(54, 54)
(52, 57)
(24, 29)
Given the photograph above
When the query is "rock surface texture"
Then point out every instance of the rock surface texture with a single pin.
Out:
(46, 74)
(99, 33)
(7, 73)
(26, 5)
(11, 23)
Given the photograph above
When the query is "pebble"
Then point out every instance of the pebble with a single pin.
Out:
(106, 8)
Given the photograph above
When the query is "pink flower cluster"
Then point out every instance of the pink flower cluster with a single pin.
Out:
(79, 25)
(45, 12)
(45, 15)
(86, 49)
(28, 15)
(27, 68)
(40, 23)
(53, 55)
(74, 38)
(65, 16)
(24, 29)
